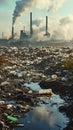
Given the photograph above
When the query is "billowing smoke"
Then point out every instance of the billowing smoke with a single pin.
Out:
(37, 22)
(66, 20)
(55, 4)
(59, 28)
(21, 6)
(64, 29)
(25, 5)
(38, 29)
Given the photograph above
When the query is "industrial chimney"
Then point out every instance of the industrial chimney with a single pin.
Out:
(12, 32)
(31, 30)
(46, 24)
(47, 33)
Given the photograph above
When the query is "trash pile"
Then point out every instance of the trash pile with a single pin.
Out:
(15, 101)
(21, 65)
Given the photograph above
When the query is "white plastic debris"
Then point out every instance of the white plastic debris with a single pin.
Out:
(9, 106)
(45, 92)
(2, 102)
(13, 72)
(5, 83)
(54, 76)
(30, 91)
(64, 79)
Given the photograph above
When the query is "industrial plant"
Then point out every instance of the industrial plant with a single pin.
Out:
(27, 39)
(23, 34)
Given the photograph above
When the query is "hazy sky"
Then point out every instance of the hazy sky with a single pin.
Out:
(60, 13)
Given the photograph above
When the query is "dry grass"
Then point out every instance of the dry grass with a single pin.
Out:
(3, 59)
(71, 77)
(68, 63)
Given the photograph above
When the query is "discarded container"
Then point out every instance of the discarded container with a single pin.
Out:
(27, 107)
(54, 76)
(12, 118)
(30, 91)
(45, 92)
(20, 125)
(9, 106)
(64, 79)
(2, 102)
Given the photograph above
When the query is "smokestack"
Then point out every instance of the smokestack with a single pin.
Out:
(47, 33)
(12, 32)
(31, 30)
(2, 35)
(46, 24)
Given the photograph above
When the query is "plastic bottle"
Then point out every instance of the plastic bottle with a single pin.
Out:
(12, 118)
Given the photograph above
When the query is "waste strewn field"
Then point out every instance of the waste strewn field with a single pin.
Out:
(27, 75)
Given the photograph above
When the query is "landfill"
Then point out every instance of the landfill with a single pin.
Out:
(50, 67)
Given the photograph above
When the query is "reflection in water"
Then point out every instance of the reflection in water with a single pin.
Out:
(44, 114)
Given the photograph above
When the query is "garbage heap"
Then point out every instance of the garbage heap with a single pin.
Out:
(47, 66)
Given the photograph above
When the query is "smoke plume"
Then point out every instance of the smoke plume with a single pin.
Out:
(64, 29)
(21, 6)
(55, 4)
(25, 5)
(60, 28)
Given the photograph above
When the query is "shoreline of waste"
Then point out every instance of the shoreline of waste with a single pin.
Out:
(46, 66)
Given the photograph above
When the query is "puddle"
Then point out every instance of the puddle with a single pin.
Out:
(45, 115)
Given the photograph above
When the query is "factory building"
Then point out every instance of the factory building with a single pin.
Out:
(23, 34)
